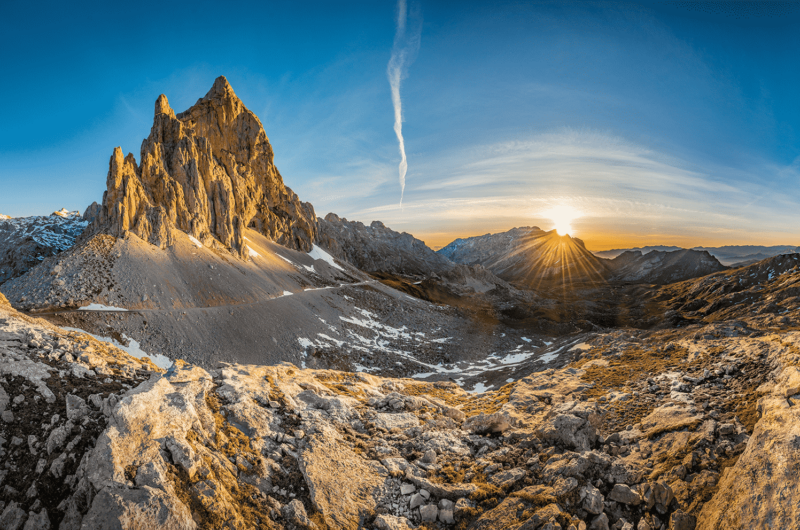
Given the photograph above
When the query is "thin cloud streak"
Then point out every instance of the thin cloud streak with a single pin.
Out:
(404, 50)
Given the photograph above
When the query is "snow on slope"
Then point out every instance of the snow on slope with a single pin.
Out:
(26, 241)
(318, 253)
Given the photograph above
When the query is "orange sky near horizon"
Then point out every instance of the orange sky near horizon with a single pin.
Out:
(597, 241)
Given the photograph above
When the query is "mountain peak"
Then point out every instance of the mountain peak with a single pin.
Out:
(221, 89)
(162, 106)
(63, 212)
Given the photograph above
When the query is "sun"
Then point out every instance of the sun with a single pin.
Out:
(562, 216)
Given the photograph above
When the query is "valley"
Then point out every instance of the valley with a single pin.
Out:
(201, 350)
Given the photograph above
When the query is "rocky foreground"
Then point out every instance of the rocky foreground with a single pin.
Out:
(676, 429)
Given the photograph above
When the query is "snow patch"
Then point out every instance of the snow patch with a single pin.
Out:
(100, 307)
(133, 349)
(479, 388)
(318, 253)
(196, 241)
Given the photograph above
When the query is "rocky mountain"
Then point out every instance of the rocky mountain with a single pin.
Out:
(26, 241)
(680, 429)
(531, 257)
(730, 256)
(63, 212)
(208, 172)
(611, 254)
(376, 248)
(663, 267)
(768, 291)
(92, 212)
(144, 277)
(482, 249)
(740, 255)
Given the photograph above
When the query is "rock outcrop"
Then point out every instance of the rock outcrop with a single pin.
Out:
(663, 267)
(92, 212)
(209, 172)
(377, 248)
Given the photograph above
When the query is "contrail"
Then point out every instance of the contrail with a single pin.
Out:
(404, 50)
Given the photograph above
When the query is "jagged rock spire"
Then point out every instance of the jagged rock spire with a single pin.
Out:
(208, 171)
(162, 106)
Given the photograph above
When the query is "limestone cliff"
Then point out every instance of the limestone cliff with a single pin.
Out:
(209, 172)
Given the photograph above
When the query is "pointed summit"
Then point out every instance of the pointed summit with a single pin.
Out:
(162, 106)
(221, 89)
(209, 172)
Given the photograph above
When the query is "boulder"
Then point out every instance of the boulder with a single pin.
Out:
(295, 513)
(498, 422)
(13, 517)
(391, 522)
(568, 431)
(592, 499)
(625, 495)
(429, 513)
(679, 520)
(324, 463)
(76, 408)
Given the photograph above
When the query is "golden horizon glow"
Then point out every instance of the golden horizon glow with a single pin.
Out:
(562, 216)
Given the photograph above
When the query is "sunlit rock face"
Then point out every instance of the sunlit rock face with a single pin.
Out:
(209, 172)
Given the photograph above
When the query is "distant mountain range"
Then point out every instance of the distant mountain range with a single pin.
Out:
(26, 241)
(532, 257)
(730, 255)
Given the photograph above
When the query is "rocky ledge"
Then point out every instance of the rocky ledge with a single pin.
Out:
(682, 431)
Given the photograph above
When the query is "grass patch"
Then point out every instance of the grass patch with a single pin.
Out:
(488, 402)
(342, 383)
(449, 393)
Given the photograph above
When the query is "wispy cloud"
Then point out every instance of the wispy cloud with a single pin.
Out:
(404, 50)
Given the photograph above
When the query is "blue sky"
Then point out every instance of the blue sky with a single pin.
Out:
(661, 122)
